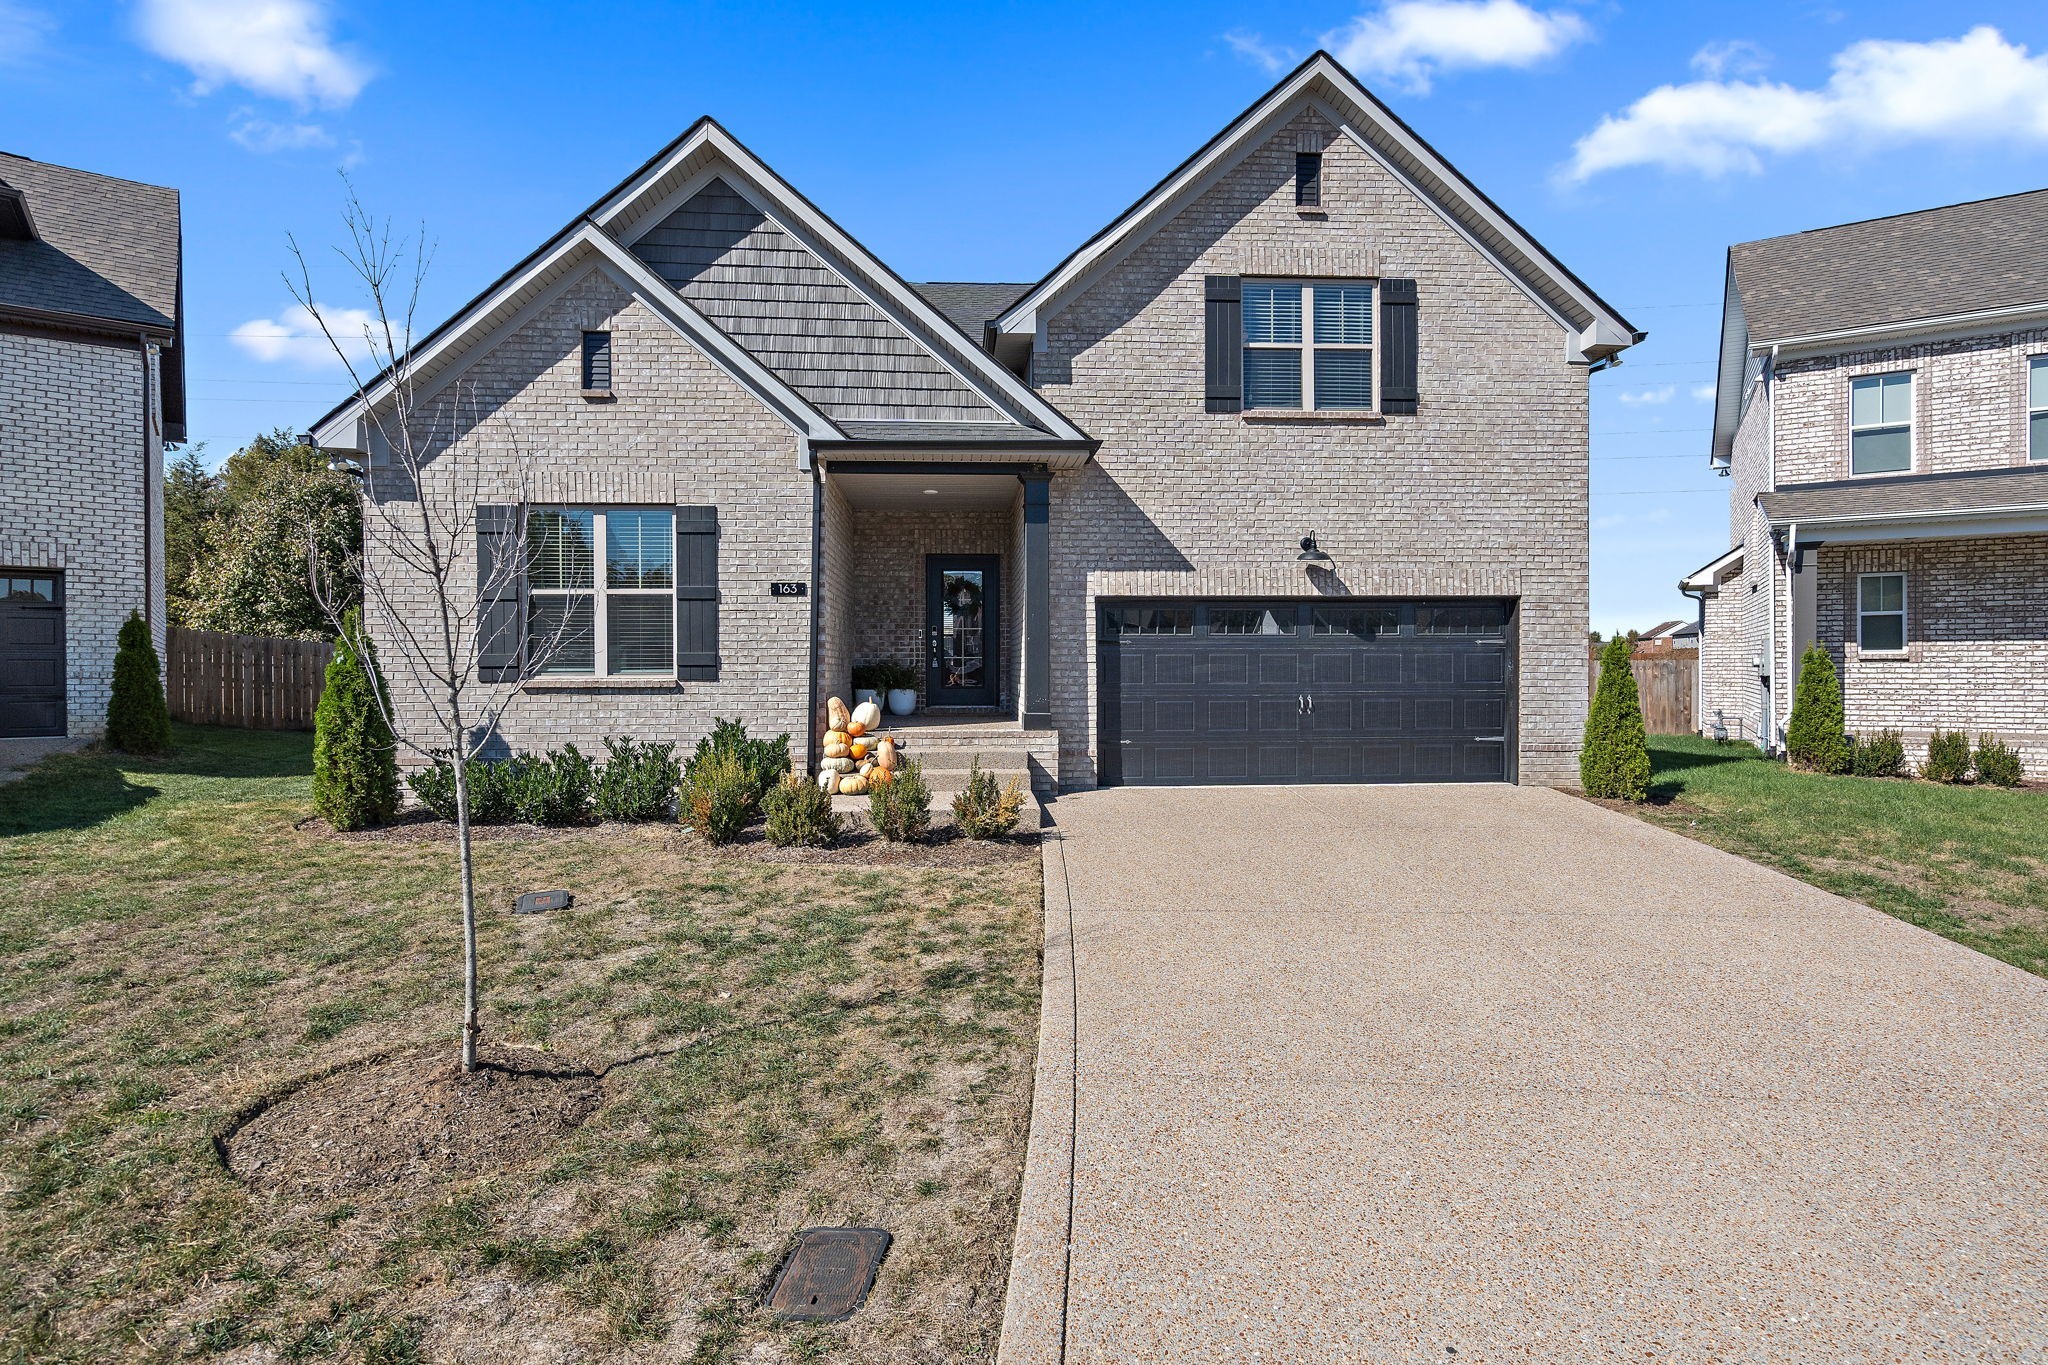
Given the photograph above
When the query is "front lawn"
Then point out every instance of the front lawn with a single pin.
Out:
(816, 1045)
(1970, 863)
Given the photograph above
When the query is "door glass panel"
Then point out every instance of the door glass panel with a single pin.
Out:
(1251, 621)
(962, 657)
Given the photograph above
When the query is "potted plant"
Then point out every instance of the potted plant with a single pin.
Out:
(866, 685)
(899, 680)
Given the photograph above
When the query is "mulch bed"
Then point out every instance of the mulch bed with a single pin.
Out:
(401, 1125)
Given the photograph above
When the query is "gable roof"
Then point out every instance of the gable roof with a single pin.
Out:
(971, 307)
(1959, 259)
(638, 205)
(100, 254)
(1322, 82)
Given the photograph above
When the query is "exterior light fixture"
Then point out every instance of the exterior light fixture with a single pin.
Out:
(338, 463)
(930, 492)
(1310, 559)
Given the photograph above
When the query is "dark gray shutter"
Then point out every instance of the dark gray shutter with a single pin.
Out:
(1223, 312)
(697, 594)
(1398, 392)
(1308, 180)
(597, 361)
(500, 595)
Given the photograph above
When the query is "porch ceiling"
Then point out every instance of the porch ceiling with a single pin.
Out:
(929, 492)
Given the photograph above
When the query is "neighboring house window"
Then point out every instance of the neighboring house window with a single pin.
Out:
(1308, 180)
(1881, 424)
(1881, 612)
(1308, 346)
(623, 618)
(597, 362)
(2037, 408)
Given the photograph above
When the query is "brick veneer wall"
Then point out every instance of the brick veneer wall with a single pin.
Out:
(1976, 655)
(1727, 682)
(888, 573)
(78, 494)
(1485, 487)
(679, 431)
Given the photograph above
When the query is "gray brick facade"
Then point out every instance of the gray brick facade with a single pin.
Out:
(81, 493)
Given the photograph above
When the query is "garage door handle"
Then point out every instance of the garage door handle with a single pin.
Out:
(1489, 739)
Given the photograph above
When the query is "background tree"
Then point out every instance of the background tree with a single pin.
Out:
(1813, 736)
(436, 599)
(138, 719)
(355, 760)
(192, 502)
(253, 579)
(1614, 762)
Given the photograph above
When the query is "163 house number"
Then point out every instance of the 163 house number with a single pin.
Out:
(789, 589)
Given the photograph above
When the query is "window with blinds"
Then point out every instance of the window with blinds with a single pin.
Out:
(1308, 346)
(623, 619)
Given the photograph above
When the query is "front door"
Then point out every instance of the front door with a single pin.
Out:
(31, 654)
(962, 599)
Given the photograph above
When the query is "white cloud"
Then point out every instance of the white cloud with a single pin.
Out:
(1703, 393)
(261, 135)
(273, 47)
(1734, 57)
(294, 337)
(1641, 396)
(1410, 41)
(22, 32)
(1653, 517)
(1977, 87)
(1259, 52)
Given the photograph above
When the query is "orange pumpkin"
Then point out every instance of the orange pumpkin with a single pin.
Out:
(855, 728)
(860, 750)
(879, 776)
(836, 736)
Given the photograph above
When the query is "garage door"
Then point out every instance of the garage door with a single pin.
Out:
(1321, 691)
(31, 654)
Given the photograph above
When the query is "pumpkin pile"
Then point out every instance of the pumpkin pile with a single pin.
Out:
(855, 757)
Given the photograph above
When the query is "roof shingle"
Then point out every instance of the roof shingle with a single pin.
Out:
(107, 249)
(2014, 488)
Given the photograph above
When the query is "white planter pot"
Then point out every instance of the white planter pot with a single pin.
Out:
(902, 700)
(864, 695)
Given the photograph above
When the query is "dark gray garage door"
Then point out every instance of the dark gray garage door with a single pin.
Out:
(1322, 691)
(31, 654)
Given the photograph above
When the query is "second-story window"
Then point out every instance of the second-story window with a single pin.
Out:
(1308, 346)
(2037, 408)
(1881, 424)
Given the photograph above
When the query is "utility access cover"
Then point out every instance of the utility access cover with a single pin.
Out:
(828, 1275)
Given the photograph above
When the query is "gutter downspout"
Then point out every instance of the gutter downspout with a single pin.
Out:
(1770, 735)
(1699, 671)
(811, 740)
(1791, 619)
(149, 449)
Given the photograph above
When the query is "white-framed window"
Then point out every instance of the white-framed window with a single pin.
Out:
(601, 590)
(1309, 345)
(2037, 408)
(1881, 613)
(1881, 424)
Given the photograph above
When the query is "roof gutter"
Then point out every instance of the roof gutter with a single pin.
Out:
(124, 328)
(1906, 327)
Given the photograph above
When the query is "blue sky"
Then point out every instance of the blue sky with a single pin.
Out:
(985, 141)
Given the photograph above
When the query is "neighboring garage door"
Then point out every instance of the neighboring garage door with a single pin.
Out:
(1322, 691)
(31, 654)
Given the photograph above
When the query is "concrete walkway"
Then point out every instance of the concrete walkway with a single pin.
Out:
(1482, 1074)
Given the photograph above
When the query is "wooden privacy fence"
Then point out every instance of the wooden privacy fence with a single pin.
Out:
(253, 681)
(1667, 683)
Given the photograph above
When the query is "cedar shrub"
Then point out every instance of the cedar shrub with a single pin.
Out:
(138, 720)
(1614, 762)
(355, 759)
(1814, 738)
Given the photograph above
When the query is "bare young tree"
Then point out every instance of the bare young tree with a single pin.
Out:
(444, 549)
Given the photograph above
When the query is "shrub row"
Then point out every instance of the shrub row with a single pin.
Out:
(1951, 759)
(561, 787)
(1814, 738)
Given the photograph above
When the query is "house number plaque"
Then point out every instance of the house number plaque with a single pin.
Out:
(789, 589)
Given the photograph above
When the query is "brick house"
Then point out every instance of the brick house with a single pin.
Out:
(92, 383)
(1883, 416)
(1221, 498)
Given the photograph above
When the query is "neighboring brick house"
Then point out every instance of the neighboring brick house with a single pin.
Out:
(1883, 413)
(92, 383)
(1222, 498)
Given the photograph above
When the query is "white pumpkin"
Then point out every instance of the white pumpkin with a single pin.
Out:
(853, 786)
(838, 751)
(837, 765)
(867, 715)
(835, 713)
(828, 781)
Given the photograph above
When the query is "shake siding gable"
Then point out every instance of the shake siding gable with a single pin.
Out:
(1181, 500)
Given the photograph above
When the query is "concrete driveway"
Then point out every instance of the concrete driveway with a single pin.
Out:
(1484, 1073)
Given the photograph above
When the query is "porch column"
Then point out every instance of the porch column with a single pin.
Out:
(1037, 570)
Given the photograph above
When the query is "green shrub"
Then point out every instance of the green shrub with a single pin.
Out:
(867, 678)
(799, 812)
(1615, 760)
(1813, 737)
(637, 782)
(552, 789)
(138, 721)
(719, 797)
(355, 760)
(984, 811)
(1996, 763)
(893, 675)
(435, 788)
(901, 809)
(765, 761)
(1948, 757)
(492, 791)
(1880, 755)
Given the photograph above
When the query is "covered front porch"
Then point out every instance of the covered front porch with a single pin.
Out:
(941, 566)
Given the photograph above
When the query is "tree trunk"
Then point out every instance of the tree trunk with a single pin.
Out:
(470, 1026)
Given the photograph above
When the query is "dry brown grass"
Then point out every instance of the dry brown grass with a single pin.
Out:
(837, 1045)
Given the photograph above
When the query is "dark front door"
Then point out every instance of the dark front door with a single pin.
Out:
(1292, 691)
(31, 654)
(962, 637)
